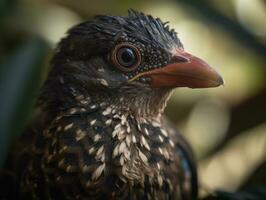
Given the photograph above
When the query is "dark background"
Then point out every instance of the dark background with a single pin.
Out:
(226, 126)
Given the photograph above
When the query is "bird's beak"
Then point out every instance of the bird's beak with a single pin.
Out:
(186, 70)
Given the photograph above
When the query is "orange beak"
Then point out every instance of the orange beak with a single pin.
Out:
(186, 71)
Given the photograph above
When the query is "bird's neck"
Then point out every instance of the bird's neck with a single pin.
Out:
(150, 104)
(140, 104)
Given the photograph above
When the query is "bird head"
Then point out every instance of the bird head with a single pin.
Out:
(137, 58)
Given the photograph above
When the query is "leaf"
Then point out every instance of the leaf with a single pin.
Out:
(19, 84)
(5, 7)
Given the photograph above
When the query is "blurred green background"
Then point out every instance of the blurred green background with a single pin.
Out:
(226, 126)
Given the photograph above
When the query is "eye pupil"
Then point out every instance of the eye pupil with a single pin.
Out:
(126, 57)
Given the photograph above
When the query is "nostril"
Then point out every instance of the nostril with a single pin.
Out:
(180, 59)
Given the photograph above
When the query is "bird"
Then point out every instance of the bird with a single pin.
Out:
(101, 132)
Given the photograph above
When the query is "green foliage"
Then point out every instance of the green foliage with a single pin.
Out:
(5, 6)
(19, 84)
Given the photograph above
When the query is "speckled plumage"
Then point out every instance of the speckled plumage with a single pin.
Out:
(97, 151)
(100, 136)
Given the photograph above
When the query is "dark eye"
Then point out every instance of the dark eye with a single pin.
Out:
(126, 57)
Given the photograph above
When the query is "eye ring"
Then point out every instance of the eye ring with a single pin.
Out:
(122, 56)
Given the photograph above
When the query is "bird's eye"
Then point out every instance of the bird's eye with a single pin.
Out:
(126, 57)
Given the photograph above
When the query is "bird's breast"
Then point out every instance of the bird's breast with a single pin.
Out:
(104, 151)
